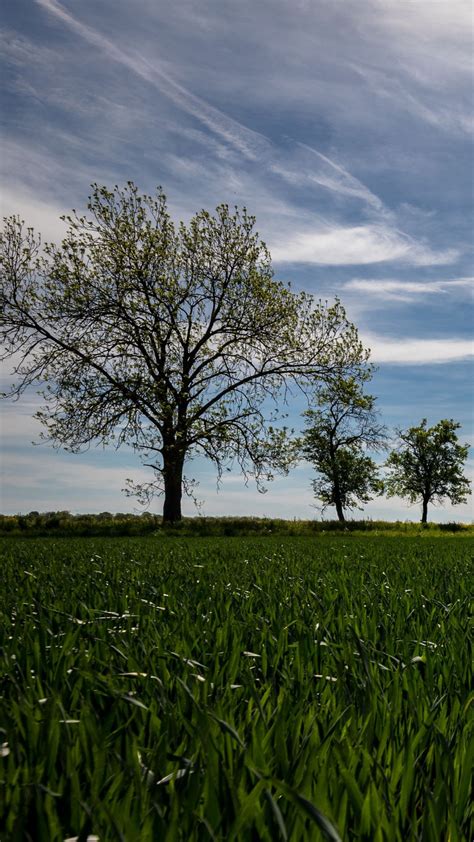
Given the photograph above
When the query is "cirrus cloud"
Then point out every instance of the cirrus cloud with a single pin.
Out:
(414, 351)
(400, 290)
(361, 244)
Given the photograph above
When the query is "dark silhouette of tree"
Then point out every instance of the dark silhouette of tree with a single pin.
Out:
(336, 439)
(174, 339)
(427, 465)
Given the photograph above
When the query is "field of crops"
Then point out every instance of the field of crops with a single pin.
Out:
(236, 689)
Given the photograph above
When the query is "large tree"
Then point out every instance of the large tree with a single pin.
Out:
(427, 464)
(336, 439)
(173, 339)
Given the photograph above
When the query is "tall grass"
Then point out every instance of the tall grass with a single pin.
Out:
(236, 689)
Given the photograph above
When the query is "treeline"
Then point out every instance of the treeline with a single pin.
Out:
(64, 524)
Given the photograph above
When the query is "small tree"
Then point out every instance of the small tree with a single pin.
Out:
(174, 340)
(336, 439)
(427, 465)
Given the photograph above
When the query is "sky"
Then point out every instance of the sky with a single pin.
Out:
(345, 127)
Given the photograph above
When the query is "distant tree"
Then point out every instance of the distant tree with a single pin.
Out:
(427, 465)
(336, 439)
(174, 340)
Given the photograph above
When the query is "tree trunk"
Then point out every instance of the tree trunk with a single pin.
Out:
(339, 510)
(173, 482)
(424, 514)
(336, 488)
(337, 496)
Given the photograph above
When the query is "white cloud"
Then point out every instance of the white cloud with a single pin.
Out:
(400, 290)
(395, 508)
(79, 484)
(18, 424)
(41, 215)
(434, 39)
(362, 244)
(413, 351)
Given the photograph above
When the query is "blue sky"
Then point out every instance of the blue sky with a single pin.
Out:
(346, 128)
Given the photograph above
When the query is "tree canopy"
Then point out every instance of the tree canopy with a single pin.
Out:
(336, 439)
(427, 465)
(174, 339)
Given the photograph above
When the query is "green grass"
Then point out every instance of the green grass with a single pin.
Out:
(236, 689)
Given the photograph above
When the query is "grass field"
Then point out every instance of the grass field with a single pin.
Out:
(265, 688)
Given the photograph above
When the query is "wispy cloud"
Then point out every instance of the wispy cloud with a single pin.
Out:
(41, 215)
(249, 143)
(317, 240)
(414, 351)
(399, 290)
(81, 483)
(384, 85)
(362, 244)
(318, 169)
